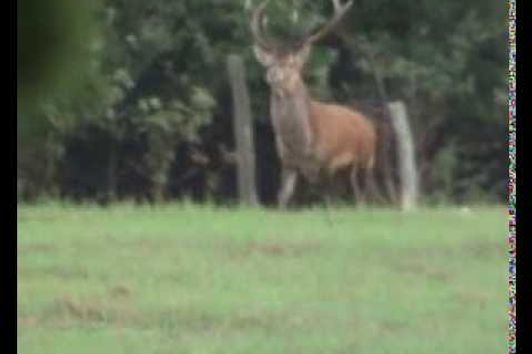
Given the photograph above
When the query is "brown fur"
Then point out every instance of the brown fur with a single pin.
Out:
(343, 137)
(313, 138)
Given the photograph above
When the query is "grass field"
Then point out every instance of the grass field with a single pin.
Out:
(191, 279)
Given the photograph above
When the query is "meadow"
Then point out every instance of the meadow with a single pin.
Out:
(199, 279)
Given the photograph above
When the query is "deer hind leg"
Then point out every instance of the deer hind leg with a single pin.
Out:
(327, 187)
(355, 184)
(372, 185)
(288, 185)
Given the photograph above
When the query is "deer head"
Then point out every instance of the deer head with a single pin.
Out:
(285, 63)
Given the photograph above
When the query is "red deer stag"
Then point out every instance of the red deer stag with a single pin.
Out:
(313, 138)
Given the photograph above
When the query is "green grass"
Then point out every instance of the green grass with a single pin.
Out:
(192, 279)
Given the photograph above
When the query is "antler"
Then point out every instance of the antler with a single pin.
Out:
(257, 22)
(339, 11)
(258, 17)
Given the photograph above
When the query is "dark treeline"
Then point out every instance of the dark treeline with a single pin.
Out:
(146, 110)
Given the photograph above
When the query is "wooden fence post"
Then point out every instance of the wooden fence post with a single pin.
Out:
(405, 146)
(243, 130)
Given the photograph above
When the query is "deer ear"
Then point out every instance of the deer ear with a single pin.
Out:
(264, 57)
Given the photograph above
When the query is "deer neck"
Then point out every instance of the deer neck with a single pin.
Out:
(291, 121)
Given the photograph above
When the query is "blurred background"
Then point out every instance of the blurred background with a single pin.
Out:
(130, 99)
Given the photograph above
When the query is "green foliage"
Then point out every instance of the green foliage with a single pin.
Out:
(447, 61)
(56, 41)
(154, 78)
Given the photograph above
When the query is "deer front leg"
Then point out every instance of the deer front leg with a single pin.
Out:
(288, 185)
(355, 183)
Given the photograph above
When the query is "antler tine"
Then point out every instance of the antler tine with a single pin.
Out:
(256, 25)
(339, 11)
